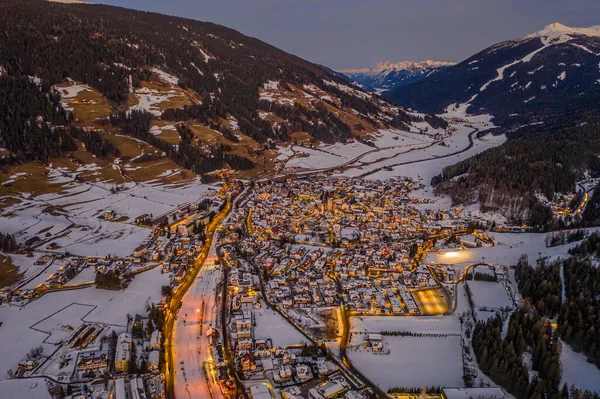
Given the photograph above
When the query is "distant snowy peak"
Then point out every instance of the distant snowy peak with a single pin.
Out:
(386, 75)
(557, 29)
(398, 66)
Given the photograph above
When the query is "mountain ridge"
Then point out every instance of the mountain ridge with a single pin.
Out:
(515, 79)
(544, 92)
(558, 29)
(226, 99)
(386, 75)
(383, 65)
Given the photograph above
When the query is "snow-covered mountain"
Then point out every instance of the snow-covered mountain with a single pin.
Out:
(548, 73)
(386, 75)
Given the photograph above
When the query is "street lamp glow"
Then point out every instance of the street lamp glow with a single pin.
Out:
(451, 254)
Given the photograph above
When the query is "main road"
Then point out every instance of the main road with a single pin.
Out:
(175, 316)
(192, 352)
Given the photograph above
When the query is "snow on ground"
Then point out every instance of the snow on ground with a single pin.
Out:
(412, 362)
(70, 92)
(86, 275)
(576, 370)
(205, 56)
(38, 274)
(29, 388)
(269, 324)
(79, 235)
(156, 130)
(150, 99)
(423, 166)
(62, 323)
(490, 295)
(326, 156)
(28, 267)
(80, 231)
(165, 77)
(420, 324)
(393, 138)
(43, 321)
(271, 85)
(507, 251)
(277, 97)
(420, 155)
(285, 153)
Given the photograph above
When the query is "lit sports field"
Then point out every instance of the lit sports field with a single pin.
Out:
(431, 301)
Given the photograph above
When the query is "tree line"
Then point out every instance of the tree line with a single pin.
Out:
(8, 243)
(502, 358)
(578, 314)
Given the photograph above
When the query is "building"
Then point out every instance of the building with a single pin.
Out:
(120, 389)
(292, 393)
(155, 340)
(376, 341)
(92, 362)
(259, 392)
(140, 251)
(27, 365)
(123, 352)
(153, 360)
(331, 389)
(137, 388)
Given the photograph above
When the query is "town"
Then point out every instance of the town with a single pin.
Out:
(291, 261)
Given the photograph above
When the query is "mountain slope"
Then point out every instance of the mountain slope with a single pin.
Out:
(204, 96)
(521, 178)
(386, 75)
(542, 75)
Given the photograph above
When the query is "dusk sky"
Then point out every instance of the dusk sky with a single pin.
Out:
(358, 33)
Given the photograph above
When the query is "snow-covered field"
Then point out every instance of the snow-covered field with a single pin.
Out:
(412, 362)
(73, 221)
(45, 320)
(269, 324)
(326, 156)
(424, 167)
(34, 388)
(576, 370)
(489, 294)
(399, 147)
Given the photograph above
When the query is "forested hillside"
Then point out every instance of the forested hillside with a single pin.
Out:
(578, 314)
(526, 359)
(64, 65)
(542, 91)
(538, 160)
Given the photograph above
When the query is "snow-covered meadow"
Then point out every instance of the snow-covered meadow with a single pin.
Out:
(576, 370)
(72, 218)
(433, 359)
(270, 324)
(49, 319)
